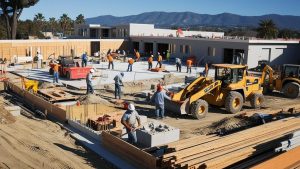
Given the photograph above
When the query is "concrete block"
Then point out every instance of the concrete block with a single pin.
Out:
(84, 129)
(13, 110)
(155, 135)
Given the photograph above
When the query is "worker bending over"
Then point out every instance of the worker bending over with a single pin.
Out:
(110, 61)
(55, 72)
(150, 61)
(89, 78)
(118, 83)
(129, 120)
(159, 100)
(130, 63)
(189, 66)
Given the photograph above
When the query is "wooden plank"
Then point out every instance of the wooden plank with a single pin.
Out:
(129, 152)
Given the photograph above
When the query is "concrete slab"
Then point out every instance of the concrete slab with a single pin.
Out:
(140, 72)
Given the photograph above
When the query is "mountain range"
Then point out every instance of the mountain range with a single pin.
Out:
(186, 19)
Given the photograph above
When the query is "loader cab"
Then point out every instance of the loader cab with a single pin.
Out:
(291, 71)
(229, 74)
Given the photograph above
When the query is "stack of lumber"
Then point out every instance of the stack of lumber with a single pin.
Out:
(221, 152)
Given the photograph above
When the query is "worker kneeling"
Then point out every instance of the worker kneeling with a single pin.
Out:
(129, 120)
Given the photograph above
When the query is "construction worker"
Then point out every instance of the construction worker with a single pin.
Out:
(55, 72)
(84, 59)
(129, 119)
(159, 101)
(130, 63)
(205, 71)
(159, 60)
(89, 78)
(110, 61)
(137, 56)
(118, 83)
(150, 61)
(189, 66)
(178, 64)
(168, 55)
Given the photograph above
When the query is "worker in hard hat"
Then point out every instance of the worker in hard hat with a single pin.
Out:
(137, 56)
(159, 99)
(150, 61)
(129, 120)
(89, 78)
(178, 64)
(159, 60)
(110, 61)
(130, 64)
(84, 59)
(118, 83)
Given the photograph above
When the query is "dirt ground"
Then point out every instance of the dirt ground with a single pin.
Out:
(35, 143)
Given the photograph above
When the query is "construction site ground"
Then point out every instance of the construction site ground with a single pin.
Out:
(30, 142)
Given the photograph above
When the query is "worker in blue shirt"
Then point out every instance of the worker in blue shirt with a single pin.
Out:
(118, 83)
(159, 100)
(84, 59)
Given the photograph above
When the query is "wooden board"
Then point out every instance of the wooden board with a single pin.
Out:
(54, 95)
(134, 155)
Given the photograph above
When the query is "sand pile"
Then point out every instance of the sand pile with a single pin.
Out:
(93, 99)
(227, 125)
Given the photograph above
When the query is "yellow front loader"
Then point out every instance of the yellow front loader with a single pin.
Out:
(230, 88)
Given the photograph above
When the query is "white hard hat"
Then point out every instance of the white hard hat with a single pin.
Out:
(92, 70)
(131, 107)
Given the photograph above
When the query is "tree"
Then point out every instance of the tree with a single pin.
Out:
(39, 21)
(288, 34)
(12, 10)
(52, 24)
(267, 29)
(80, 19)
(65, 23)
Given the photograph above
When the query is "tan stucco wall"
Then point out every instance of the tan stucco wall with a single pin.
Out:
(9, 48)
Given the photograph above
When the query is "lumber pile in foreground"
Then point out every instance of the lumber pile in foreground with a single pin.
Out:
(221, 152)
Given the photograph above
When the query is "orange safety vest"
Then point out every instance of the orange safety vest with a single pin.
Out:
(189, 63)
(150, 60)
(159, 58)
(131, 61)
(110, 58)
(55, 67)
(137, 54)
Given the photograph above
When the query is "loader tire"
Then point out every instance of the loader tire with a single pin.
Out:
(234, 102)
(257, 100)
(199, 109)
(291, 90)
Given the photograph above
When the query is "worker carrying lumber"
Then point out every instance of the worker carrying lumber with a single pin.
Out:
(150, 61)
(55, 72)
(159, 99)
(89, 86)
(129, 119)
(84, 59)
(189, 66)
(118, 83)
(159, 60)
(137, 55)
(178, 64)
(130, 63)
(110, 61)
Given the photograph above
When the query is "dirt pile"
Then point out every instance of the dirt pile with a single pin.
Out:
(93, 99)
(227, 125)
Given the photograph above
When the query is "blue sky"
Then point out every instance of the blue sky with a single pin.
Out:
(92, 8)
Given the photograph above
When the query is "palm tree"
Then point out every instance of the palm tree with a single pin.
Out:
(80, 19)
(52, 24)
(267, 29)
(39, 20)
(65, 23)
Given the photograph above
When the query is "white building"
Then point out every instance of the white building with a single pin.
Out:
(277, 52)
(92, 31)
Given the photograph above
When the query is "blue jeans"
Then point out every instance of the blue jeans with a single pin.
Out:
(89, 88)
(160, 110)
(55, 77)
(132, 139)
(84, 63)
(149, 66)
(117, 91)
(129, 68)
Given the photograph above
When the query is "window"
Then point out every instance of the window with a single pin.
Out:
(187, 49)
(211, 51)
(291, 71)
(181, 48)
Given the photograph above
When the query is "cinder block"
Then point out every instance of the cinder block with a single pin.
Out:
(150, 139)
